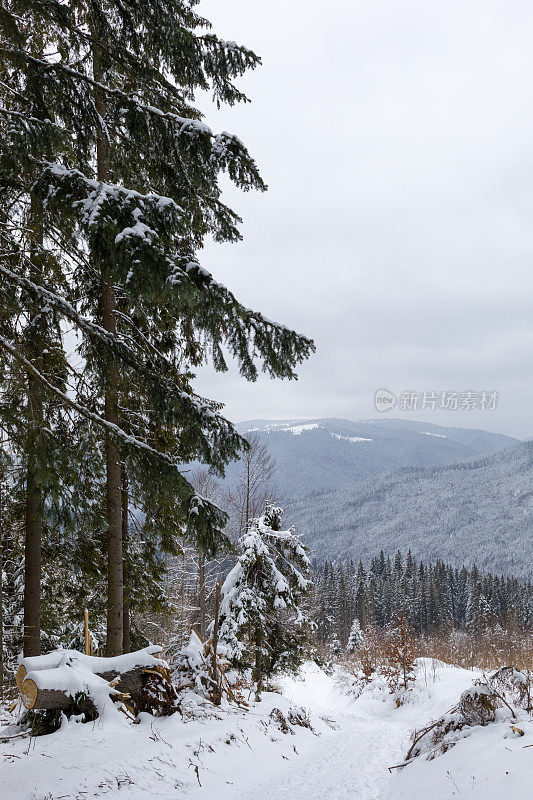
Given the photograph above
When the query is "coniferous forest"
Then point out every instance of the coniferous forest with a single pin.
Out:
(437, 601)
(109, 186)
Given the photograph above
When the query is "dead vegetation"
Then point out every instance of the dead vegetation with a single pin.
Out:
(507, 690)
(295, 717)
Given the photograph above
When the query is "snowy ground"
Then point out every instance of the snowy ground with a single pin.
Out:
(245, 755)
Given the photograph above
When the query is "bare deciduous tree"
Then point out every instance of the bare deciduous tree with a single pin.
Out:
(253, 490)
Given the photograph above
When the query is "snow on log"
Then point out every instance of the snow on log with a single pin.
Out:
(108, 668)
(54, 680)
(57, 688)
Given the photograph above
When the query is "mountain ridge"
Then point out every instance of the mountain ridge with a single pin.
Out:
(329, 452)
(354, 487)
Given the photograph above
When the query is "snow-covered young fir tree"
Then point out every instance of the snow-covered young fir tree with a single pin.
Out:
(261, 622)
(355, 638)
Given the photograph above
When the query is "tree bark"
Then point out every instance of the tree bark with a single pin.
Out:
(32, 553)
(33, 524)
(258, 671)
(112, 454)
(217, 689)
(126, 629)
(1, 584)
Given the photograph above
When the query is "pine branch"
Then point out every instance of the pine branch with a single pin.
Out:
(83, 410)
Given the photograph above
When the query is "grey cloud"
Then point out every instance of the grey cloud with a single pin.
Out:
(396, 139)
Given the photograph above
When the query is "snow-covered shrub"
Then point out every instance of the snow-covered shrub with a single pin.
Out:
(279, 719)
(514, 684)
(351, 681)
(296, 716)
(189, 666)
(193, 672)
(480, 705)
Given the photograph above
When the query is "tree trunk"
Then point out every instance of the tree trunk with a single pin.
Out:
(247, 514)
(33, 501)
(217, 690)
(258, 671)
(201, 595)
(113, 496)
(126, 631)
(1, 586)
(49, 689)
(32, 558)
(112, 454)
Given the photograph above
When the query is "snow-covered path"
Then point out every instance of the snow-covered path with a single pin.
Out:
(349, 764)
(236, 755)
(346, 763)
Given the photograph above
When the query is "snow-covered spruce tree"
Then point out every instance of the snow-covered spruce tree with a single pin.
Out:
(356, 637)
(28, 324)
(261, 622)
(128, 194)
(334, 647)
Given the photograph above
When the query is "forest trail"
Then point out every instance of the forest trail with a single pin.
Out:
(351, 763)
(233, 754)
(345, 763)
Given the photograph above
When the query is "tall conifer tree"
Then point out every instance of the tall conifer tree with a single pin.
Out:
(128, 196)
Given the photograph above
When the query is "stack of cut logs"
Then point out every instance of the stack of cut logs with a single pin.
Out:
(52, 681)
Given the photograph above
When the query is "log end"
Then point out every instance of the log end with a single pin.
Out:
(19, 677)
(28, 693)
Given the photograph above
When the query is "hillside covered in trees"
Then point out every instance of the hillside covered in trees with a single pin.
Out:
(479, 510)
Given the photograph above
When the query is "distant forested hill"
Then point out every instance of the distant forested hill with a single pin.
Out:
(481, 510)
(336, 453)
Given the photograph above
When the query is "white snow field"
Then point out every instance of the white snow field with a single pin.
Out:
(245, 755)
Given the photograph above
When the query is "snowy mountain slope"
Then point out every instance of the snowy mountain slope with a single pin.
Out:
(480, 510)
(313, 455)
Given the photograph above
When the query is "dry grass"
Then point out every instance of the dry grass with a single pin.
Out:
(490, 650)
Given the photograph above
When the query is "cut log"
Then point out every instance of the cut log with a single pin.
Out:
(57, 688)
(109, 668)
(56, 679)
(28, 693)
(34, 698)
(48, 661)
(19, 677)
(146, 657)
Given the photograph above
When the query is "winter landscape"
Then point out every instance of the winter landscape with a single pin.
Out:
(248, 559)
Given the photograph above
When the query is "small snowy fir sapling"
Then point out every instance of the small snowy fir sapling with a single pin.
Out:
(261, 621)
(335, 647)
(356, 637)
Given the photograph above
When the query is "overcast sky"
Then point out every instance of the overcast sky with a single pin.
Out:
(397, 142)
